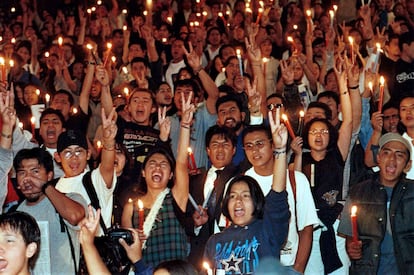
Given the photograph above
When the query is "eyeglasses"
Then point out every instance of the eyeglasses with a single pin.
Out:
(259, 144)
(273, 106)
(67, 154)
(319, 132)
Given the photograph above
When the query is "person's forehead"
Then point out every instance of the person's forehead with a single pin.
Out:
(219, 138)
(227, 104)
(390, 111)
(316, 110)
(61, 97)
(407, 101)
(318, 125)
(141, 94)
(259, 134)
(50, 117)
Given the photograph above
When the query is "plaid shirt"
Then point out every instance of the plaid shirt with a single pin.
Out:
(167, 240)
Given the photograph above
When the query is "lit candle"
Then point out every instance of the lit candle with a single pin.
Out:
(295, 27)
(109, 47)
(301, 120)
(381, 93)
(47, 99)
(351, 48)
(288, 126)
(126, 91)
(125, 70)
(290, 40)
(124, 28)
(13, 40)
(3, 69)
(331, 15)
(265, 60)
(74, 110)
(90, 48)
(377, 57)
(140, 215)
(37, 92)
(193, 165)
(11, 63)
(93, 9)
(21, 125)
(169, 19)
(99, 2)
(60, 41)
(370, 86)
(309, 14)
(259, 16)
(32, 122)
(124, 11)
(99, 144)
(149, 5)
(207, 268)
(240, 61)
(204, 13)
(47, 54)
(354, 223)
(113, 59)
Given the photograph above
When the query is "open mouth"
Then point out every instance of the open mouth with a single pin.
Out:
(3, 264)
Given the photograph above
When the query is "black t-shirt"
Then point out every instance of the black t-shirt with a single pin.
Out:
(403, 80)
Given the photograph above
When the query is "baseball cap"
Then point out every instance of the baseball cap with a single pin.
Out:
(71, 137)
(388, 137)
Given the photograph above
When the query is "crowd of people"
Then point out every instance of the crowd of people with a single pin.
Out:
(227, 136)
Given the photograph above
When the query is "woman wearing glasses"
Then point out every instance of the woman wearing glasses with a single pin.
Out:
(323, 164)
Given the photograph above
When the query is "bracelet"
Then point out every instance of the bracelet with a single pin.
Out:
(90, 63)
(186, 126)
(354, 87)
(277, 152)
(109, 147)
(5, 136)
(196, 72)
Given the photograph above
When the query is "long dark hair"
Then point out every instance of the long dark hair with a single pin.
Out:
(333, 133)
(255, 193)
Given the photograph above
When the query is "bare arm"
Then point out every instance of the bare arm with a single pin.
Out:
(304, 248)
(345, 131)
(209, 86)
(355, 96)
(180, 190)
(108, 149)
(279, 135)
(377, 124)
(86, 87)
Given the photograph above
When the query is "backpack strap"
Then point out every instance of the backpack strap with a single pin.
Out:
(90, 189)
(292, 180)
(72, 248)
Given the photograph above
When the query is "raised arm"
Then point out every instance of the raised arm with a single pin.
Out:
(209, 85)
(86, 86)
(180, 190)
(102, 76)
(108, 147)
(279, 136)
(345, 131)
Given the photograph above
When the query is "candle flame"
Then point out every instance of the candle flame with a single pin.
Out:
(382, 80)
(89, 11)
(370, 86)
(124, 11)
(93, 9)
(190, 151)
(331, 13)
(265, 59)
(206, 266)
(21, 125)
(145, 13)
(353, 211)
(109, 45)
(89, 46)
(33, 120)
(295, 27)
(99, 2)
(113, 58)
(309, 13)
(129, 200)
(47, 97)
(335, 8)
(140, 204)
(13, 40)
(164, 40)
(169, 19)
(47, 54)
(1, 60)
(204, 13)
(60, 40)
(261, 4)
(238, 52)
(126, 91)
(220, 14)
(74, 110)
(124, 28)
(125, 70)
(198, 14)
(290, 39)
(351, 40)
(301, 113)
(11, 63)
(284, 117)
(99, 144)
(37, 92)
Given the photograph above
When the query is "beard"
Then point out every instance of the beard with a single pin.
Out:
(33, 197)
(234, 128)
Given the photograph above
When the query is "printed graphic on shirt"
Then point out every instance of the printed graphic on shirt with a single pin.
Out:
(238, 257)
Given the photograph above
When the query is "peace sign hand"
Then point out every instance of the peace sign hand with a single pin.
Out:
(192, 58)
(188, 110)
(109, 126)
(279, 131)
(165, 123)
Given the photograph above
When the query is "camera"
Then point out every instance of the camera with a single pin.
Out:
(118, 233)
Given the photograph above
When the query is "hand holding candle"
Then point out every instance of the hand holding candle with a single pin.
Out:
(238, 52)
(354, 224)
(301, 121)
(191, 164)
(140, 215)
(32, 122)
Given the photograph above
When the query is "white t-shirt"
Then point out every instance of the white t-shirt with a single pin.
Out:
(306, 211)
(173, 68)
(105, 195)
(410, 174)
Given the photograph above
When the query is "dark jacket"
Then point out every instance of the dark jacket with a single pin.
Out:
(371, 199)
